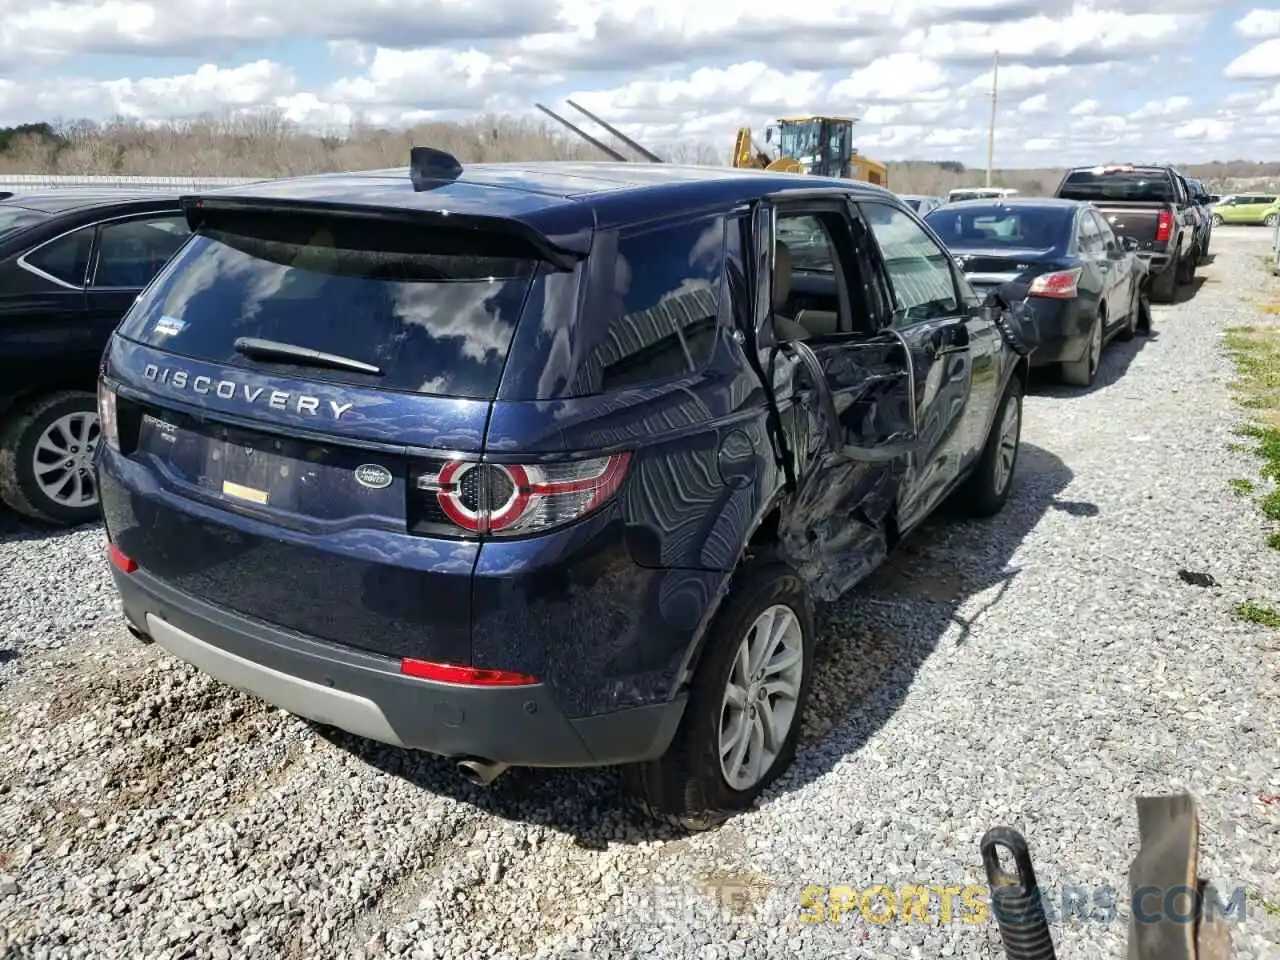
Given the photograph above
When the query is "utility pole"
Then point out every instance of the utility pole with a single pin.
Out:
(991, 134)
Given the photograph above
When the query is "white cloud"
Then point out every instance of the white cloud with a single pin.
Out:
(917, 72)
(1259, 24)
(895, 78)
(1168, 107)
(1018, 78)
(208, 89)
(1204, 128)
(1260, 63)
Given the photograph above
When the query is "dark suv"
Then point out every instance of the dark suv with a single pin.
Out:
(543, 464)
(71, 264)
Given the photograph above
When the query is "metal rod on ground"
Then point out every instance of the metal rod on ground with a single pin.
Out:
(647, 154)
(600, 145)
(991, 134)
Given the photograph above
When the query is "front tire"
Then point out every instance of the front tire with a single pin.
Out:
(46, 459)
(1217, 220)
(745, 709)
(985, 492)
(1272, 219)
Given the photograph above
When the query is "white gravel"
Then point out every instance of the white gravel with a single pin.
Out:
(1040, 670)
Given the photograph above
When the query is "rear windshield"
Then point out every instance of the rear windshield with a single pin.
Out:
(13, 219)
(1135, 186)
(435, 313)
(1037, 228)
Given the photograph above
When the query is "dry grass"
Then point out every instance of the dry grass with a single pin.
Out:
(266, 145)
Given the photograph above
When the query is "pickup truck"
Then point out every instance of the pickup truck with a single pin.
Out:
(1151, 205)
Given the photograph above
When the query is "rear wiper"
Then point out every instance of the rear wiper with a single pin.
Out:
(275, 350)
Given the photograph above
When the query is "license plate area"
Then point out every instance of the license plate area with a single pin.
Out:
(244, 467)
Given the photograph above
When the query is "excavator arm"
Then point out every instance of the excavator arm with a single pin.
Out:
(746, 154)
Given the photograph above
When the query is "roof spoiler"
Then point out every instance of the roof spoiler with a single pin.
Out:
(563, 252)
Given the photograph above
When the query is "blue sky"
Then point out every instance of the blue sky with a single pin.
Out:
(1080, 79)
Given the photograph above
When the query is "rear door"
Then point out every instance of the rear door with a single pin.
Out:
(1121, 275)
(1097, 281)
(932, 319)
(842, 386)
(42, 335)
(128, 252)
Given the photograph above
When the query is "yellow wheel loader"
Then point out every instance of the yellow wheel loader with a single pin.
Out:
(818, 146)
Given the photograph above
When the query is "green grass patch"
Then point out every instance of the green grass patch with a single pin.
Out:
(1260, 614)
(1241, 486)
(1273, 540)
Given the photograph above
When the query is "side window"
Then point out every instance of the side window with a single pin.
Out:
(1090, 238)
(918, 269)
(131, 252)
(808, 243)
(66, 258)
(1104, 230)
(663, 306)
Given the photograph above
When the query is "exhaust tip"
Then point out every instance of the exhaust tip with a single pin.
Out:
(136, 633)
(480, 772)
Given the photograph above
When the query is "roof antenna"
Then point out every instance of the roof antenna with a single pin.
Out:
(428, 165)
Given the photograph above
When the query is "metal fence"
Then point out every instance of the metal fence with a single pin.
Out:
(38, 182)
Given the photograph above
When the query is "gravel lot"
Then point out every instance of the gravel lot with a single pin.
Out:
(1040, 670)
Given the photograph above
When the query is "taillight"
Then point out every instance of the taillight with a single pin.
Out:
(1061, 284)
(469, 676)
(510, 499)
(108, 422)
(1164, 226)
(119, 560)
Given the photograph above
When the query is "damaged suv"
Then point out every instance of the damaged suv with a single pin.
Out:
(543, 464)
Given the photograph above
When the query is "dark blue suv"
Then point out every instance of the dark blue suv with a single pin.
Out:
(543, 464)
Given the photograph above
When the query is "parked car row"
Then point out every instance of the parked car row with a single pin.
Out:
(1081, 265)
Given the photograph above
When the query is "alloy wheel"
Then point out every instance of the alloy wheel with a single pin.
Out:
(1007, 453)
(1095, 348)
(759, 704)
(62, 462)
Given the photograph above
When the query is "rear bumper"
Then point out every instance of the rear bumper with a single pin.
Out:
(365, 694)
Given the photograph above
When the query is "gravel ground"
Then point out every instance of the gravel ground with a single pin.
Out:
(1039, 670)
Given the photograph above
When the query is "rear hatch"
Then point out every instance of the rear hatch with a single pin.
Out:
(289, 388)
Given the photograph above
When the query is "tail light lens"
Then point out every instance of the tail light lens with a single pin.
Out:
(1061, 284)
(467, 676)
(108, 422)
(509, 499)
(1164, 226)
(121, 562)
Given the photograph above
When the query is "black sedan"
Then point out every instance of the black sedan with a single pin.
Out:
(71, 265)
(1074, 283)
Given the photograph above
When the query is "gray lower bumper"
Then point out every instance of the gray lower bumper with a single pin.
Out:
(365, 693)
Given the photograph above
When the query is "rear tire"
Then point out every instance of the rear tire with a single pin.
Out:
(1080, 373)
(985, 492)
(1164, 287)
(1130, 328)
(1187, 267)
(1217, 220)
(59, 489)
(1272, 219)
(690, 787)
